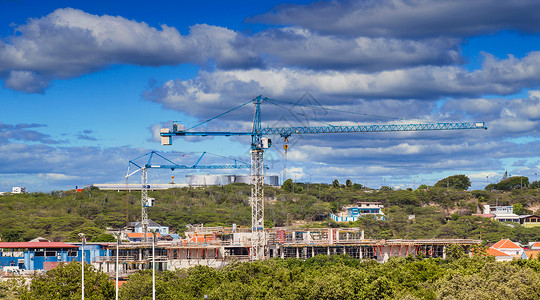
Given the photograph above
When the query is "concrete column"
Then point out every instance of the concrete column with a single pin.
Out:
(297, 252)
(312, 251)
(444, 252)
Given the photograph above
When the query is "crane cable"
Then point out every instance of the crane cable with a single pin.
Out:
(333, 109)
(219, 115)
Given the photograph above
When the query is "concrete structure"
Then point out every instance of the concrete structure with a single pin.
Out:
(353, 213)
(218, 246)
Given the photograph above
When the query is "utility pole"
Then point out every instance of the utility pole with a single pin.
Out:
(153, 264)
(83, 240)
(117, 249)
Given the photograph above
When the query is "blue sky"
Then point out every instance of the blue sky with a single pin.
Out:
(86, 85)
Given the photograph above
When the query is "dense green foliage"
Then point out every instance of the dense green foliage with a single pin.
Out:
(320, 277)
(458, 182)
(64, 282)
(510, 183)
(423, 213)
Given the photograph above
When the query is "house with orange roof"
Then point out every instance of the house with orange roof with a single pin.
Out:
(509, 247)
(532, 254)
(499, 255)
(138, 236)
(535, 246)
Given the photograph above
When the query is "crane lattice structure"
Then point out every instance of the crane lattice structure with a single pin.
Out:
(149, 202)
(259, 143)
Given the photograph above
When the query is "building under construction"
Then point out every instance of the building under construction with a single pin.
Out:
(218, 246)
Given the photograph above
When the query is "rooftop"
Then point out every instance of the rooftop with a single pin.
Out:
(506, 244)
(26, 245)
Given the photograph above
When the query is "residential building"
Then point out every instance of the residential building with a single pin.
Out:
(529, 221)
(353, 213)
(137, 227)
(509, 247)
(499, 255)
(501, 213)
(136, 237)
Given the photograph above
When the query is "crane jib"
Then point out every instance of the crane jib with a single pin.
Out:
(288, 131)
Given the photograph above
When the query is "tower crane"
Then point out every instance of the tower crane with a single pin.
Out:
(149, 202)
(259, 143)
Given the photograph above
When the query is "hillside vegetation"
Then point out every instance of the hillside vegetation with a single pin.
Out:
(439, 212)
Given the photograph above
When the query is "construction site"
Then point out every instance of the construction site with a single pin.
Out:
(218, 246)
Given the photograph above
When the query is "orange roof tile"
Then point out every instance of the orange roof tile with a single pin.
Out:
(140, 234)
(505, 244)
(531, 254)
(495, 252)
(536, 245)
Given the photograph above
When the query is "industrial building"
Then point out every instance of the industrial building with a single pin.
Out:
(208, 179)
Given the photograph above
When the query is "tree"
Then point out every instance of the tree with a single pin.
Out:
(64, 282)
(348, 183)
(512, 183)
(12, 235)
(458, 182)
(104, 238)
(520, 210)
(287, 185)
(335, 184)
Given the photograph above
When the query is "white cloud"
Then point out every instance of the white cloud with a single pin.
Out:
(56, 176)
(405, 18)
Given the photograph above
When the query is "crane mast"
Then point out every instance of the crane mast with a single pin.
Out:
(149, 202)
(259, 143)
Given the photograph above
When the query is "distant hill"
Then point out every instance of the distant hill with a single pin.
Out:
(438, 212)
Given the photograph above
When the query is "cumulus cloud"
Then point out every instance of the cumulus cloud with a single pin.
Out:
(69, 42)
(295, 46)
(210, 92)
(410, 19)
(23, 132)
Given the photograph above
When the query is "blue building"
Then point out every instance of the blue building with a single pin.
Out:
(36, 255)
(353, 213)
(47, 255)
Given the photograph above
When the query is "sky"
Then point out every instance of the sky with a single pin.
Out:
(87, 85)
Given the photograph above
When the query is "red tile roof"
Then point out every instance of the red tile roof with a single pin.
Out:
(506, 244)
(536, 245)
(495, 252)
(26, 245)
(531, 254)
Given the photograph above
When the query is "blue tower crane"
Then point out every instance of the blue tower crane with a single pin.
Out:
(149, 202)
(259, 143)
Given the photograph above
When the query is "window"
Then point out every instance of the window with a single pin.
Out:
(50, 253)
(39, 253)
(72, 253)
